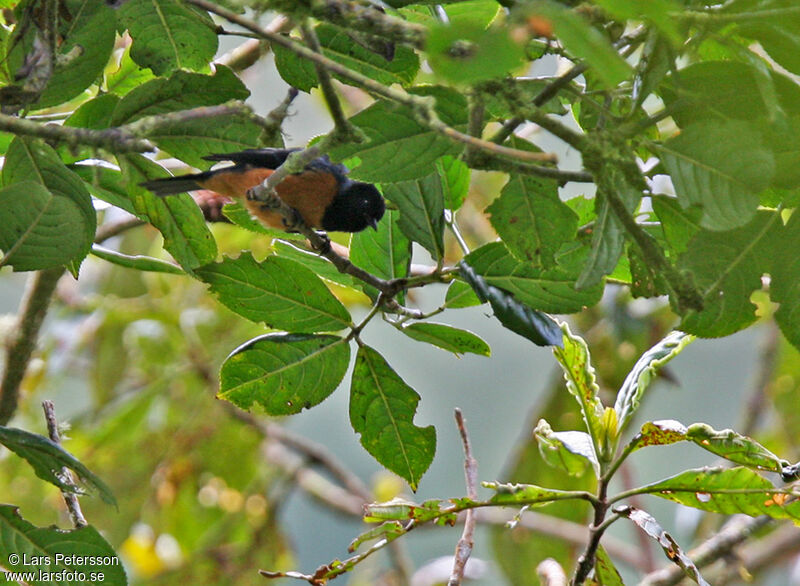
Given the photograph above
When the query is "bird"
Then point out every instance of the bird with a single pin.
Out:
(322, 194)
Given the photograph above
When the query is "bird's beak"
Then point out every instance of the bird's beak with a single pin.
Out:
(374, 223)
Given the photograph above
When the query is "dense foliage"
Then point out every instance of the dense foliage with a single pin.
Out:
(686, 117)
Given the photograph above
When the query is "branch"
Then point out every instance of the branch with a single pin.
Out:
(421, 107)
(70, 498)
(551, 573)
(464, 546)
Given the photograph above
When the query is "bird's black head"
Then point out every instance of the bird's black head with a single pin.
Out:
(356, 206)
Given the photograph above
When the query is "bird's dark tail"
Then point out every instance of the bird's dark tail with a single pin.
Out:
(173, 185)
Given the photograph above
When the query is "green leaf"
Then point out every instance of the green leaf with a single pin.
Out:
(579, 375)
(608, 235)
(279, 292)
(678, 224)
(85, 43)
(644, 372)
(660, 12)
(570, 451)
(169, 35)
(58, 215)
(191, 140)
(382, 409)
(538, 327)
(319, 265)
(105, 184)
(735, 447)
(53, 551)
(385, 252)
(284, 373)
(532, 220)
(448, 338)
(727, 491)
(467, 52)
(177, 217)
(94, 114)
(137, 262)
(421, 205)
(778, 36)
(660, 433)
(342, 47)
(605, 574)
(400, 148)
(785, 279)
(551, 290)
(525, 494)
(647, 523)
(48, 458)
(460, 295)
(727, 268)
(721, 166)
(455, 177)
(125, 75)
(584, 41)
(181, 91)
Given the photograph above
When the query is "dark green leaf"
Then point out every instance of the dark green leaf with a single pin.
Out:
(653, 66)
(37, 222)
(727, 268)
(421, 205)
(86, 40)
(339, 45)
(94, 114)
(468, 52)
(169, 35)
(532, 220)
(448, 338)
(643, 373)
(672, 550)
(679, 224)
(551, 290)
(284, 373)
(538, 327)
(721, 166)
(42, 544)
(385, 252)
(279, 292)
(727, 491)
(181, 91)
(382, 409)
(460, 295)
(177, 217)
(48, 458)
(399, 147)
(137, 262)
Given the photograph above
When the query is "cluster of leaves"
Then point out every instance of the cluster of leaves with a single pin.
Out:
(681, 87)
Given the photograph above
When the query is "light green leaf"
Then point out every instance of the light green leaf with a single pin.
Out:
(279, 292)
(643, 373)
(525, 494)
(735, 447)
(455, 177)
(448, 338)
(570, 451)
(460, 295)
(421, 205)
(284, 373)
(169, 35)
(382, 409)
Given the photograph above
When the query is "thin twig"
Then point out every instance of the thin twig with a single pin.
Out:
(551, 573)
(464, 546)
(70, 498)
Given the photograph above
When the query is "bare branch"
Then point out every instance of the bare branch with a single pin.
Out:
(551, 573)
(70, 498)
(464, 546)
